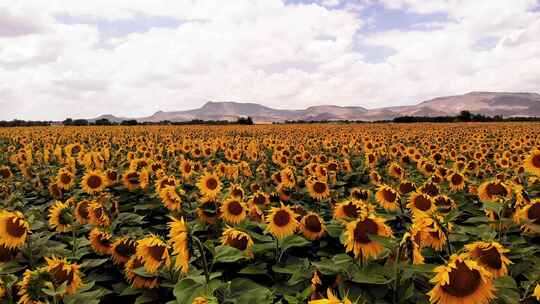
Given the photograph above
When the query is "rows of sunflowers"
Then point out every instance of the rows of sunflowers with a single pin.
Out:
(369, 213)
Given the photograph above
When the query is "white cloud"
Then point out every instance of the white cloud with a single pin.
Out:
(286, 56)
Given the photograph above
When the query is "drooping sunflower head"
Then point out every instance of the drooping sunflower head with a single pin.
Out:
(14, 229)
(357, 236)
(60, 217)
(132, 180)
(313, 226)
(153, 252)
(444, 203)
(179, 240)
(170, 198)
(494, 190)
(208, 210)
(64, 272)
(236, 191)
(260, 198)
(30, 288)
(421, 204)
(98, 215)
(387, 197)
(233, 211)
(490, 255)
(136, 280)
(165, 181)
(5, 172)
(100, 241)
(318, 189)
(531, 215)
(281, 221)
(209, 184)
(237, 239)
(348, 209)
(462, 280)
(396, 171)
(406, 187)
(93, 182)
(122, 250)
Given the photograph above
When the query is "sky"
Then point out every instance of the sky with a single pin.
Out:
(131, 58)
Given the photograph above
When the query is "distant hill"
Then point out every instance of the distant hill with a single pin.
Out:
(485, 103)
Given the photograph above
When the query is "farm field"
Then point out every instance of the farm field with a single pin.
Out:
(318, 213)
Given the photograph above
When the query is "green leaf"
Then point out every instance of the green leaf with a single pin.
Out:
(187, 290)
(228, 254)
(254, 269)
(92, 263)
(293, 241)
(496, 207)
(244, 291)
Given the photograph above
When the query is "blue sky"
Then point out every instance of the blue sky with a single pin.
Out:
(85, 58)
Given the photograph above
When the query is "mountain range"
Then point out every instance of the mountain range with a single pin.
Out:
(486, 103)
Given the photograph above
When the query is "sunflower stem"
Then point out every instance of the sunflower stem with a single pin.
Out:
(205, 263)
(73, 243)
(398, 274)
(30, 256)
(278, 255)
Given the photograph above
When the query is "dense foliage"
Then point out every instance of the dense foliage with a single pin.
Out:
(370, 213)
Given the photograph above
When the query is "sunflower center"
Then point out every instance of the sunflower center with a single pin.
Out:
(457, 179)
(406, 188)
(534, 213)
(61, 274)
(94, 181)
(7, 254)
(360, 195)
(313, 224)
(133, 178)
(65, 178)
(237, 193)
(83, 210)
(389, 195)
(491, 257)
(536, 161)
(259, 199)
(211, 183)
(431, 190)
(363, 229)
(463, 281)
(112, 175)
(319, 187)
(496, 189)
(235, 208)
(156, 252)
(350, 210)
(239, 242)
(422, 203)
(282, 218)
(15, 228)
(4, 172)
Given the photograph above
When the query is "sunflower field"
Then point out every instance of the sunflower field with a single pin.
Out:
(318, 214)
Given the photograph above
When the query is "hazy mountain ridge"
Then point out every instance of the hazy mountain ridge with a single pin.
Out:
(486, 103)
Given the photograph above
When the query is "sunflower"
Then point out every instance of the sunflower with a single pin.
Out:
(208, 210)
(13, 229)
(93, 182)
(153, 252)
(136, 280)
(456, 181)
(31, 286)
(55, 191)
(537, 292)
(313, 226)
(421, 204)
(287, 177)
(132, 180)
(531, 215)
(357, 236)
(348, 209)
(237, 239)
(461, 281)
(260, 198)
(491, 191)
(5, 172)
(411, 237)
(395, 171)
(209, 184)
(82, 212)
(281, 221)
(532, 163)
(60, 217)
(165, 181)
(179, 239)
(122, 249)
(112, 177)
(430, 233)
(64, 272)
(490, 255)
(100, 241)
(406, 187)
(318, 189)
(98, 214)
(236, 191)
(65, 179)
(358, 194)
(444, 203)
(387, 197)
(233, 211)
(170, 198)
